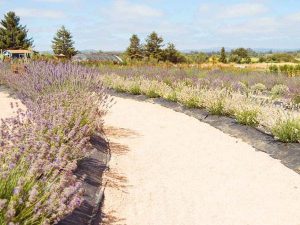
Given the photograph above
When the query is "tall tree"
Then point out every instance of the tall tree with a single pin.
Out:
(171, 54)
(223, 56)
(240, 55)
(63, 43)
(134, 51)
(241, 52)
(12, 34)
(153, 46)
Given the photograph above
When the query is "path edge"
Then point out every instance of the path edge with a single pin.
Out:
(287, 153)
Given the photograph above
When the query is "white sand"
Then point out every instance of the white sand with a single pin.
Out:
(5, 101)
(184, 172)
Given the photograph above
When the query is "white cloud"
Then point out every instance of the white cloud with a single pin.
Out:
(295, 17)
(50, 1)
(125, 10)
(39, 13)
(259, 26)
(243, 10)
(227, 11)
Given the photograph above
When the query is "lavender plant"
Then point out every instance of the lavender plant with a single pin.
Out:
(40, 148)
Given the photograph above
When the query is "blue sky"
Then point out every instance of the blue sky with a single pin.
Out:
(190, 24)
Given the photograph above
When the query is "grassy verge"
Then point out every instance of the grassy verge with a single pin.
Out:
(242, 105)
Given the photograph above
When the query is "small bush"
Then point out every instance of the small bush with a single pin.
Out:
(191, 102)
(259, 87)
(135, 89)
(279, 90)
(247, 117)
(119, 88)
(217, 107)
(171, 96)
(296, 99)
(151, 93)
(150, 88)
(189, 97)
(287, 130)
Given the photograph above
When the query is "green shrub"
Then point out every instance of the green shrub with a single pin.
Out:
(259, 87)
(171, 96)
(274, 69)
(247, 117)
(135, 89)
(152, 93)
(217, 107)
(192, 102)
(287, 130)
(119, 88)
(279, 90)
(296, 99)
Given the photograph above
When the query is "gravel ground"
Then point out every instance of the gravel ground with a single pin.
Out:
(5, 101)
(170, 169)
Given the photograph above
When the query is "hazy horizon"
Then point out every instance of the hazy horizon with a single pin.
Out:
(190, 25)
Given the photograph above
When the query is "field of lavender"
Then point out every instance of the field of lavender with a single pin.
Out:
(269, 102)
(40, 148)
(65, 104)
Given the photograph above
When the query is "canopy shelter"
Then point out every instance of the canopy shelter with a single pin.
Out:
(18, 54)
(96, 57)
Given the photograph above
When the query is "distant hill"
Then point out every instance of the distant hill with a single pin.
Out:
(259, 50)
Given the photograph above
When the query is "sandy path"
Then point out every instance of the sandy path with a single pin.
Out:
(5, 101)
(184, 172)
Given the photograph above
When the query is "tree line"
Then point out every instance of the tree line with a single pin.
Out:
(153, 50)
(13, 35)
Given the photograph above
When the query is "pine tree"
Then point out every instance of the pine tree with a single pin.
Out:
(223, 56)
(12, 34)
(172, 55)
(153, 46)
(63, 43)
(134, 51)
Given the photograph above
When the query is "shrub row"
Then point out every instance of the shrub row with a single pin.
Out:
(39, 148)
(289, 70)
(243, 106)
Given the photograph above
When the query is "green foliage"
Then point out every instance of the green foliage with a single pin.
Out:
(289, 70)
(172, 96)
(287, 130)
(237, 102)
(198, 57)
(280, 57)
(247, 117)
(241, 52)
(153, 46)
(152, 93)
(261, 59)
(279, 90)
(135, 89)
(240, 55)
(63, 43)
(259, 87)
(296, 99)
(134, 51)
(217, 107)
(172, 55)
(274, 69)
(12, 34)
(222, 58)
(192, 101)
(235, 59)
(247, 60)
